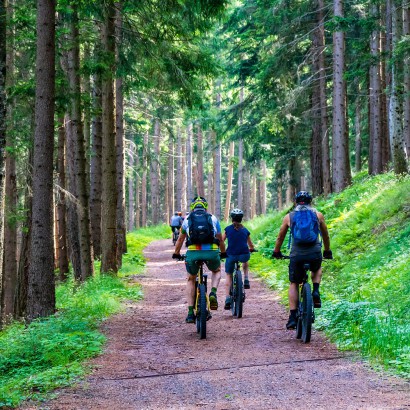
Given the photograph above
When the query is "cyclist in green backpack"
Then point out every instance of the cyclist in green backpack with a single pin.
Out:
(306, 224)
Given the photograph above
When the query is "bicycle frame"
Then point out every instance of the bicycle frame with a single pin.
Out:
(201, 278)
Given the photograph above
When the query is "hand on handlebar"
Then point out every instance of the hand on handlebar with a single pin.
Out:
(277, 255)
(177, 256)
(223, 255)
(253, 250)
(327, 254)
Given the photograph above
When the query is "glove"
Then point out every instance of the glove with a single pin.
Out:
(277, 255)
(223, 255)
(176, 256)
(327, 254)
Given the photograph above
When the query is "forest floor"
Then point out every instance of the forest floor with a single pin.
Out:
(154, 360)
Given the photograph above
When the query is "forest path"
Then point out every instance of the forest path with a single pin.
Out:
(153, 360)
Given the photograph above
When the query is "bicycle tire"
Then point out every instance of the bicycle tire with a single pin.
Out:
(239, 295)
(307, 314)
(299, 322)
(201, 318)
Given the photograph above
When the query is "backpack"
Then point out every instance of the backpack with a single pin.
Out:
(200, 228)
(305, 227)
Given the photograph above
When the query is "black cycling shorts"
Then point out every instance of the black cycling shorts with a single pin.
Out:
(296, 271)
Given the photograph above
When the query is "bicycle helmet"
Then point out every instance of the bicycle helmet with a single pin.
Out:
(199, 202)
(236, 215)
(303, 198)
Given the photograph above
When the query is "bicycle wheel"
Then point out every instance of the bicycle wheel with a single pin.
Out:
(201, 317)
(239, 295)
(307, 314)
(299, 321)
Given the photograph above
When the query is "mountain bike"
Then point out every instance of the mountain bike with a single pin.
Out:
(306, 312)
(175, 236)
(201, 302)
(237, 291)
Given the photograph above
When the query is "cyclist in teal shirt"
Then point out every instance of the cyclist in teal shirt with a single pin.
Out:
(239, 247)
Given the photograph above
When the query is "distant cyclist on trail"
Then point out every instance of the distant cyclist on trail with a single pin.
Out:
(239, 247)
(306, 224)
(176, 221)
(204, 242)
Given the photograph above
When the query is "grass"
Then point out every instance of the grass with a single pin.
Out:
(366, 289)
(50, 353)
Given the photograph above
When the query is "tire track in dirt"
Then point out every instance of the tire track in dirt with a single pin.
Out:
(153, 360)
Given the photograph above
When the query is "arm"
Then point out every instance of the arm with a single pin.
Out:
(221, 242)
(282, 233)
(180, 242)
(324, 232)
(251, 246)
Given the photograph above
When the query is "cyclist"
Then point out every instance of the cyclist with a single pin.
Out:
(239, 247)
(204, 241)
(306, 248)
(176, 222)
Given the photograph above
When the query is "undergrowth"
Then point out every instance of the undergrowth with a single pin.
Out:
(50, 353)
(365, 288)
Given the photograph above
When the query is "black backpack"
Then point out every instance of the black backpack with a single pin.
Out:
(200, 228)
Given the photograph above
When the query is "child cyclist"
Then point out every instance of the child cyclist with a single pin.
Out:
(239, 247)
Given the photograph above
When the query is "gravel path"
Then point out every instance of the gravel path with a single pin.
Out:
(153, 360)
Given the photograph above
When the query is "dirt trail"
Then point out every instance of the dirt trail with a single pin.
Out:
(153, 360)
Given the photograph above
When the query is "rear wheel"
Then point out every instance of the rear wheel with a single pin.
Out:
(202, 314)
(239, 294)
(307, 314)
(299, 321)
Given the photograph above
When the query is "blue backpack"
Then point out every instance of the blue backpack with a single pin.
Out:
(304, 228)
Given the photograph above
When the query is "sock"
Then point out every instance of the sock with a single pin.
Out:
(293, 312)
(190, 309)
(316, 287)
(213, 290)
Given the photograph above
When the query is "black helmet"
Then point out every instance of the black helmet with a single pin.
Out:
(303, 198)
(236, 215)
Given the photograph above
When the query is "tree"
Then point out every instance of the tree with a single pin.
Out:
(41, 286)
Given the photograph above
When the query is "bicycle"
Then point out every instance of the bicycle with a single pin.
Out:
(201, 302)
(175, 235)
(237, 291)
(306, 312)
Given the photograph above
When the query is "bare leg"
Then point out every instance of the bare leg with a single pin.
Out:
(293, 296)
(190, 289)
(216, 278)
(317, 276)
(228, 283)
(246, 269)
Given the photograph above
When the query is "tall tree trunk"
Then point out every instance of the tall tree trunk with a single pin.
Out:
(280, 195)
(144, 191)
(63, 266)
(109, 173)
(406, 81)
(375, 146)
(184, 199)
(155, 173)
(217, 175)
(96, 167)
(387, 147)
(190, 192)
(137, 190)
(200, 163)
(131, 185)
(253, 184)
(83, 213)
(10, 227)
(171, 180)
(2, 137)
(396, 130)
(229, 181)
(41, 286)
(71, 203)
(119, 121)
(263, 187)
(246, 194)
(240, 160)
(326, 176)
(383, 99)
(358, 139)
(341, 167)
(86, 85)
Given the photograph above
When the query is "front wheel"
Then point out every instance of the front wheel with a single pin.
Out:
(202, 314)
(307, 313)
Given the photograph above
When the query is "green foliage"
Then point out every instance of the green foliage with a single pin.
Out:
(48, 353)
(365, 288)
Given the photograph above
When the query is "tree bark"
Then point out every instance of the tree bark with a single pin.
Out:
(263, 187)
(155, 174)
(96, 167)
(144, 202)
(406, 81)
(137, 190)
(229, 181)
(109, 172)
(80, 173)
(63, 265)
(131, 185)
(190, 191)
(200, 163)
(41, 286)
(358, 139)
(171, 180)
(341, 167)
(217, 175)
